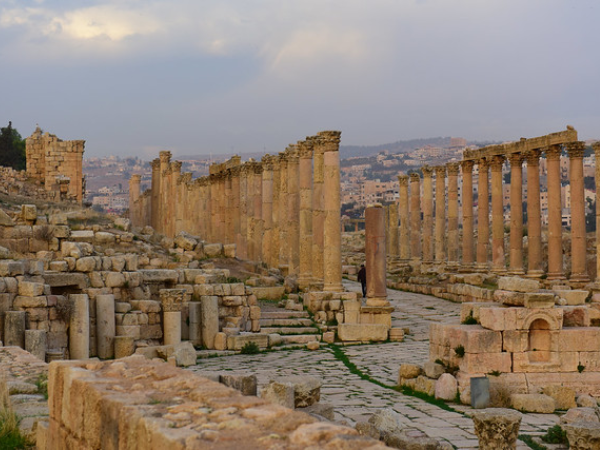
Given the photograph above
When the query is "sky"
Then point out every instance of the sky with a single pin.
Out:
(133, 77)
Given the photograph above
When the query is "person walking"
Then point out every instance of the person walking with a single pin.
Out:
(362, 277)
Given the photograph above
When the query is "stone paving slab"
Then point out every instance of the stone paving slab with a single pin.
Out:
(355, 399)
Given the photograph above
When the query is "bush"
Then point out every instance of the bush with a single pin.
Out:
(555, 435)
(250, 348)
(459, 350)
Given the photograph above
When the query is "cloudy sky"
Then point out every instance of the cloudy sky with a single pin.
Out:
(132, 77)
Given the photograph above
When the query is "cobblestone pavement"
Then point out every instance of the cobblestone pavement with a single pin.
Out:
(354, 398)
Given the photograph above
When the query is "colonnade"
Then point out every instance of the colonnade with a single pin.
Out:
(283, 211)
(430, 242)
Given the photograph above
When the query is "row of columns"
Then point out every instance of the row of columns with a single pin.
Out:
(426, 240)
(283, 211)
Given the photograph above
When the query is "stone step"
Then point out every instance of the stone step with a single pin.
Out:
(289, 330)
(301, 338)
(285, 322)
(283, 314)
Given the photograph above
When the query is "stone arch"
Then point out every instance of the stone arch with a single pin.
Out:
(539, 343)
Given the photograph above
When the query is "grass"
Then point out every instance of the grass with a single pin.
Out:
(10, 435)
(531, 443)
(470, 320)
(459, 350)
(250, 348)
(42, 385)
(555, 435)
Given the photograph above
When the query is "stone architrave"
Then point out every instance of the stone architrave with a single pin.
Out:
(516, 214)
(483, 215)
(440, 215)
(427, 230)
(453, 233)
(305, 229)
(105, 326)
(555, 257)
(332, 236)
(534, 216)
(403, 212)
(375, 250)
(467, 213)
(293, 209)
(415, 219)
(172, 302)
(36, 343)
(498, 259)
(79, 327)
(579, 274)
(14, 328)
(596, 147)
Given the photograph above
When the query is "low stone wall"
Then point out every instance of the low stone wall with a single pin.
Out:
(141, 404)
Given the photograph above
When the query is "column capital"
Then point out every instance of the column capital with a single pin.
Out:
(553, 152)
(427, 171)
(575, 149)
(452, 168)
(164, 156)
(414, 176)
(515, 159)
(467, 165)
(235, 171)
(596, 147)
(305, 149)
(171, 299)
(532, 156)
(403, 180)
(136, 178)
(155, 164)
(483, 164)
(331, 140)
(256, 167)
(186, 177)
(440, 171)
(267, 162)
(176, 166)
(497, 161)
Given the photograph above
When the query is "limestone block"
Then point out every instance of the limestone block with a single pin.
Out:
(238, 341)
(147, 306)
(132, 331)
(5, 219)
(581, 414)
(534, 403)
(124, 346)
(229, 250)
(213, 250)
(409, 371)
(152, 331)
(82, 236)
(362, 332)
(79, 327)
(117, 263)
(14, 328)
(446, 387)
(185, 241)
(510, 298)
(66, 279)
(518, 284)
(386, 421)
(61, 231)
(58, 219)
(279, 393)
(155, 276)
(545, 361)
(238, 289)
(268, 293)
(246, 384)
(123, 223)
(275, 339)
(9, 268)
(433, 370)
(36, 267)
(131, 262)
(313, 345)
(425, 385)
(231, 300)
(11, 284)
(86, 264)
(103, 238)
(572, 297)
(590, 360)
(220, 341)
(585, 400)
(576, 316)
(329, 337)
(475, 339)
(22, 302)
(485, 362)
(396, 334)
(564, 397)
(114, 279)
(184, 353)
(255, 312)
(539, 300)
(501, 319)
(515, 341)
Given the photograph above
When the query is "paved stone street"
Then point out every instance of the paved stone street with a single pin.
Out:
(355, 399)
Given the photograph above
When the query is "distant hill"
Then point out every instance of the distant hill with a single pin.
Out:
(349, 151)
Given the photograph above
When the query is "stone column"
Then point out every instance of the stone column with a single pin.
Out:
(483, 215)
(14, 328)
(555, 256)
(596, 147)
(258, 215)
(579, 274)
(195, 315)
(175, 206)
(516, 214)
(440, 215)
(427, 216)
(453, 234)
(235, 203)
(229, 236)
(209, 322)
(318, 212)
(267, 207)
(375, 256)
(79, 327)
(467, 214)
(534, 216)
(105, 326)
(497, 428)
(134, 195)
(251, 224)
(393, 230)
(275, 234)
(155, 194)
(124, 346)
(498, 262)
(165, 162)
(242, 238)
(36, 343)
(284, 244)
(293, 209)
(415, 220)
(404, 214)
(332, 236)
(172, 302)
(305, 229)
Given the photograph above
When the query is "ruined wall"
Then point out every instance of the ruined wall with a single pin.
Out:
(56, 163)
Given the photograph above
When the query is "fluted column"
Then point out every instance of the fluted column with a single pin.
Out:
(267, 207)
(596, 147)
(332, 249)
(229, 236)
(293, 209)
(258, 214)
(453, 234)
(534, 215)
(483, 215)
(165, 190)
(427, 215)
(155, 194)
(579, 274)
(235, 173)
(251, 226)
(318, 212)
(415, 220)
(403, 210)
(498, 259)
(284, 244)
(305, 229)
(467, 214)
(555, 256)
(516, 214)
(242, 241)
(134, 195)
(440, 215)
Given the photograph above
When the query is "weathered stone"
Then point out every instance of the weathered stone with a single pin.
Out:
(563, 396)
(518, 284)
(535, 403)
(409, 371)
(425, 385)
(246, 384)
(386, 421)
(86, 264)
(446, 387)
(573, 297)
(432, 370)
(497, 428)
(585, 414)
(213, 250)
(585, 400)
(510, 298)
(185, 241)
(368, 429)
(538, 300)
(279, 393)
(320, 411)
(413, 439)
(237, 342)
(362, 332)
(583, 435)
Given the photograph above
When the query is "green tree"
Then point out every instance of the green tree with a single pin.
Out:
(12, 148)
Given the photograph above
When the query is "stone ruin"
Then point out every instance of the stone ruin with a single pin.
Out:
(56, 164)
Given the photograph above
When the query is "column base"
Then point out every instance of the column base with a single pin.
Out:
(555, 276)
(377, 302)
(466, 268)
(304, 282)
(534, 274)
(516, 272)
(333, 288)
(452, 267)
(482, 267)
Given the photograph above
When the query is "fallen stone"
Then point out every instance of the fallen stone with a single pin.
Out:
(446, 387)
(433, 369)
(518, 284)
(581, 414)
(534, 403)
(409, 371)
(279, 393)
(246, 384)
(386, 421)
(563, 396)
(585, 400)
